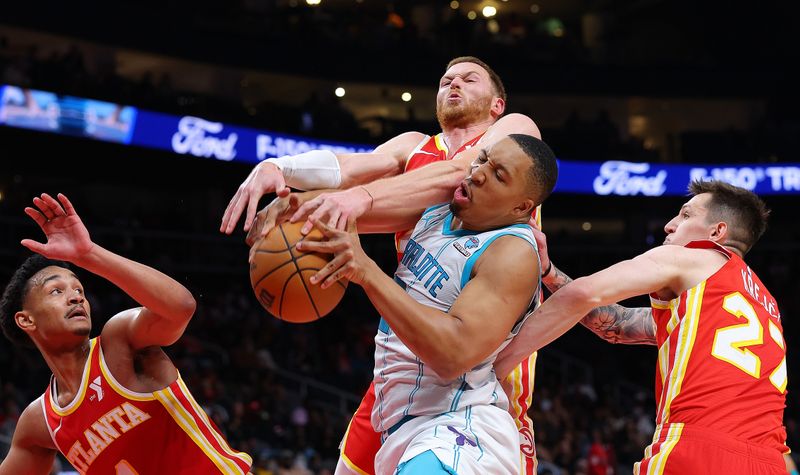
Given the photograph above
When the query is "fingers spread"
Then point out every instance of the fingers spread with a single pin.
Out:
(65, 202)
(34, 246)
(36, 215)
(54, 205)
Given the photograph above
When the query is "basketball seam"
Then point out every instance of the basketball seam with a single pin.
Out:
(272, 272)
(305, 287)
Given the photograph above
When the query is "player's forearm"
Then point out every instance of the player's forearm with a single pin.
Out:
(429, 333)
(360, 168)
(155, 290)
(552, 319)
(426, 186)
(613, 323)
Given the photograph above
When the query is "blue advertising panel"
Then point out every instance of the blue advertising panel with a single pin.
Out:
(649, 179)
(209, 139)
(188, 135)
(49, 112)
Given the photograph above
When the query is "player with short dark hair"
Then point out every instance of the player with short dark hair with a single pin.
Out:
(115, 403)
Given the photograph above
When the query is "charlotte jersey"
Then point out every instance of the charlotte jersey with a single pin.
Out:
(108, 429)
(431, 149)
(437, 263)
(722, 356)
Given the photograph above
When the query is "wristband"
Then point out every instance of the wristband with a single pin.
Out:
(312, 170)
(549, 268)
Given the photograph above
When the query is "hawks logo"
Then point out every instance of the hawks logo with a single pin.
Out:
(526, 442)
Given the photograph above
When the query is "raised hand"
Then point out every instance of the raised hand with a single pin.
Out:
(67, 237)
(274, 214)
(264, 178)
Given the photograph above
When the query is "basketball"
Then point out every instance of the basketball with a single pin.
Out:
(280, 276)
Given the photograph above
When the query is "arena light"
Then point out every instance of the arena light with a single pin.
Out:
(535, 8)
(472, 15)
(489, 11)
(454, 4)
(406, 96)
(339, 92)
(586, 226)
(313, 3)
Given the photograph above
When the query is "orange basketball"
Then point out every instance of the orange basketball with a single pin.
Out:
(279, 275)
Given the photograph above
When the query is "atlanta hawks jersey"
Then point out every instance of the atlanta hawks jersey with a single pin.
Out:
(722, 356)
(108, 429)
(437, 263)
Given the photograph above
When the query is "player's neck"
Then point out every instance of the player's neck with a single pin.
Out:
(67, 366)
(456, 137)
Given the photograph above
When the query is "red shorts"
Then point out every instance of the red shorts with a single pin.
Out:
(361, 442)
(678, 449)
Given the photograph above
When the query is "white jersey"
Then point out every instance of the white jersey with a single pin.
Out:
(436, 264)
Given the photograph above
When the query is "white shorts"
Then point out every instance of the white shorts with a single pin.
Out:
(477, 440)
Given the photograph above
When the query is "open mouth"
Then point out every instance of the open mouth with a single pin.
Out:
(77, 312)
(463, 192)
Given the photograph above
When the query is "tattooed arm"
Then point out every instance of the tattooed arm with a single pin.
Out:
(613, 323)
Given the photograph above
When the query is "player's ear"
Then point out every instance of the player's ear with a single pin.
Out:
(25, 321)
(719, 232)
(525, 208)
(498, 106)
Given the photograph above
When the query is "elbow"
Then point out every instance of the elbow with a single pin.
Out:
(451, 365)
(581, 293)
(449, 371)
(185, 307)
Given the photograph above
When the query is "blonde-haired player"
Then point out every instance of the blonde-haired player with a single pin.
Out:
(470, 108)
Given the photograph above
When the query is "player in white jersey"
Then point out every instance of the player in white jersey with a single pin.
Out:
(469, 274)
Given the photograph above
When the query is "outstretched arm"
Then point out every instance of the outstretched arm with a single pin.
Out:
(657, 270)
(423, 187)
(167, 305)
(314, 170)
(613, 323)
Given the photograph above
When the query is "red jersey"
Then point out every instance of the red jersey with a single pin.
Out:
(722, 356)
(431, 149)
(108, 429)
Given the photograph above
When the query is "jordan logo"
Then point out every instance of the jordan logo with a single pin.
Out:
(461, 438)
(95, 386)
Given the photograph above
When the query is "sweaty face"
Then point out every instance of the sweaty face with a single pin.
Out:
(465, 96)
(496, 192)
(691, 223)
(57, 305)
